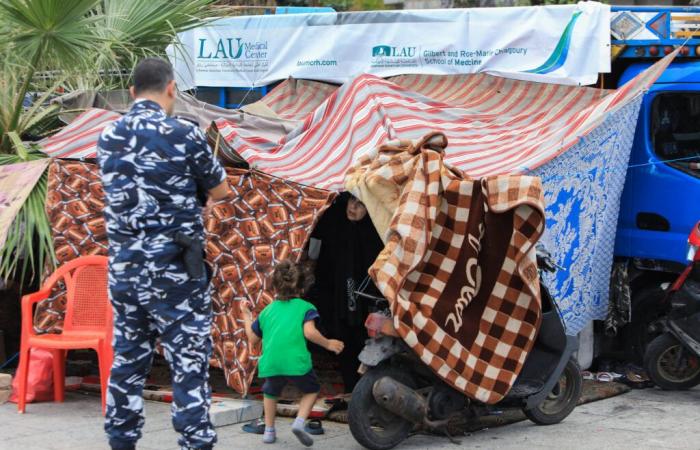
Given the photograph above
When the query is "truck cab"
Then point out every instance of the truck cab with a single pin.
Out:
(661, 198)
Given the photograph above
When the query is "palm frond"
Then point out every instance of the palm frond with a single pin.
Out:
(29, 245)
(134, 29)
(52, 34)
(40, 110)
(27, 118)
(75, 43)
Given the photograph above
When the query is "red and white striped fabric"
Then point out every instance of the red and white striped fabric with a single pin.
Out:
(494, 125)
(79, 138)
(295, 99)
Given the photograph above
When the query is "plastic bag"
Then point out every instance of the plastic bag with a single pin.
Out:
(40, 379)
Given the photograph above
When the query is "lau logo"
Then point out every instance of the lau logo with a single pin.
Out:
(223, 50)
(395, 52)
(233, 48)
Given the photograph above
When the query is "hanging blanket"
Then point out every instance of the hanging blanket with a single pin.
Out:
(459, 266)
(271, 220)
(74, 205)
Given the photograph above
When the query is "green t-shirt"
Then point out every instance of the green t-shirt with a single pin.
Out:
(281, 326)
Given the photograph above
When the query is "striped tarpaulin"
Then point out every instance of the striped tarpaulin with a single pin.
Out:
(295, 99)
(79, 138)
(494, 125)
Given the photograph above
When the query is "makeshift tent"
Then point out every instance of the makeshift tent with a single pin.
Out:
(576, 139)
(503, 126)
(272, 221)
(186, 105)
(295, 99)
(78, 140)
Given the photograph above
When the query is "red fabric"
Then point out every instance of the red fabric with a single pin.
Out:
(39, 380)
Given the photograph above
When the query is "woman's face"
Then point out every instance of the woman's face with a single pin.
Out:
(356, 210)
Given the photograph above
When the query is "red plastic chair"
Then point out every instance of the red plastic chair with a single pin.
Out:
(87, 324)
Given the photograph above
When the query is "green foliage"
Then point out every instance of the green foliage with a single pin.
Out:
(47, 44)
(133, 29)
(338, 5)
(29, 244)
(367, 5)
(14, 117)
(50, 34)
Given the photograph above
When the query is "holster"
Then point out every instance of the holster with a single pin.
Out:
(193, 256)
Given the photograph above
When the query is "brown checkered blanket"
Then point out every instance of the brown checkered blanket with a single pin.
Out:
(459, 266)
(271, 220)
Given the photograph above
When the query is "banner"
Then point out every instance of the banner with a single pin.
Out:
(566, 44)
(16, 183)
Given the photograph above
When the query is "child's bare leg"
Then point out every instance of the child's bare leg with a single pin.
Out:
(305, 406)
(270, 408)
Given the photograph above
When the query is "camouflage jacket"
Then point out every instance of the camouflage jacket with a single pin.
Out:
(156, 171)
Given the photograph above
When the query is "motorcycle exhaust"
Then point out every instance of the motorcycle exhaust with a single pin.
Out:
(400, 400)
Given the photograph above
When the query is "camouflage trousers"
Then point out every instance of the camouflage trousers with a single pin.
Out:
(178, 310)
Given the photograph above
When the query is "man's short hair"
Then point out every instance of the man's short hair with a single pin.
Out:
(152, 75)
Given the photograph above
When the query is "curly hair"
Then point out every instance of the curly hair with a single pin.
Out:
(290, 280)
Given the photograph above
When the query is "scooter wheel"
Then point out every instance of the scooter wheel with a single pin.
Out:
(562, 400)
(670, 365)
(372, 426)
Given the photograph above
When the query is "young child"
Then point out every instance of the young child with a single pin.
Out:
(284, 326)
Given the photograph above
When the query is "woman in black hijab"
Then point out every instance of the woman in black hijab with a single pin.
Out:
(349, 246)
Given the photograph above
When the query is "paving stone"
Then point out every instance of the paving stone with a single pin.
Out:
(5, 395)
(5, 381)
(229, 412)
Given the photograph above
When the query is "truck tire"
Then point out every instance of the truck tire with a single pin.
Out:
(562, 400)
(372, 426)
(661, 364)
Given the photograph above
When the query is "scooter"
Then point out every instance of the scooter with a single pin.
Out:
(398, 394)
(672, 360)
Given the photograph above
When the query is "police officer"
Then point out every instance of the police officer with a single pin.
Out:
(157, 171)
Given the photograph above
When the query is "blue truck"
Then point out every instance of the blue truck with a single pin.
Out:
(661, 198)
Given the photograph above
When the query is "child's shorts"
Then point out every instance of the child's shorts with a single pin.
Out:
(308, 384)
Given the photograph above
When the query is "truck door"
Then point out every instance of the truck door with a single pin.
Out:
(661, 199)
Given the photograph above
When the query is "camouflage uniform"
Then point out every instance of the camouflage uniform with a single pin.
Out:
(156, 171)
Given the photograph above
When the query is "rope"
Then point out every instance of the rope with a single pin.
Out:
(216, 146)
(666, 161)
(6, 363)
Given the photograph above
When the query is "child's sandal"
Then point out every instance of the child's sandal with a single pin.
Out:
(255, 426)
(314, 427)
